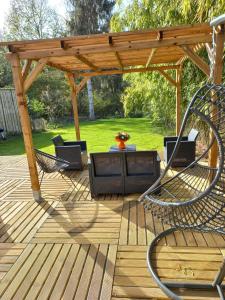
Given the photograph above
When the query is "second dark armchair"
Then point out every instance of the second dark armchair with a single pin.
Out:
(75, 152)
(186, 151)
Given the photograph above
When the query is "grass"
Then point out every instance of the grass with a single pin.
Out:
(98, 134)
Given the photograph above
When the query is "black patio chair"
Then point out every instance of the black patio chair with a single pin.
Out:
(193, 199)
(75, 152)
(186, 153)
(51, 164)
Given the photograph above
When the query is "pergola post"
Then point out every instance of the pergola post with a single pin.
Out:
(217, 79)
(26, 125)
(74, 94)
(178, 100)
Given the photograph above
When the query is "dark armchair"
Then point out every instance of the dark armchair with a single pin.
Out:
(75, 152)
(142, 169)
(186, 151)
(106, 173)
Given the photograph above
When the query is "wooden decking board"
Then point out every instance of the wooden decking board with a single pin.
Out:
(132, 280)
(74, 247)
(23, 221)
(107, 215)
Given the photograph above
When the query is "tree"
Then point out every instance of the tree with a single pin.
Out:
(5, 70)
(88, 17)
(149, 91)
(32, 19)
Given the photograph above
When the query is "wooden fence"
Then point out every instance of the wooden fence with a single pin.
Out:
(9, 115)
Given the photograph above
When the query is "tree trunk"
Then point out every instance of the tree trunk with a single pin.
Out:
(90, 100)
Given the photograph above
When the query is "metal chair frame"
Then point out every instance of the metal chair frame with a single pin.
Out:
(202, 208)
(50, 164)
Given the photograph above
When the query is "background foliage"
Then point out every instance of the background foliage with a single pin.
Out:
(150, 94)
(134, 95)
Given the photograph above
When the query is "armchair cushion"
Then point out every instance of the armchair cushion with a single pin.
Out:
(72, 154)
(58, 140)
(184, 156)
(193, 134)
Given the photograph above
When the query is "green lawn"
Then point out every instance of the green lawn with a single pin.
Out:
(98, 134)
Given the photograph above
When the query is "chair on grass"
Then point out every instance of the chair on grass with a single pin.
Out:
(186, 153)
(193, 199)
(74, 152)
(51, 164)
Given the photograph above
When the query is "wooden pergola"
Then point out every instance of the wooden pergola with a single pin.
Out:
(82, 57)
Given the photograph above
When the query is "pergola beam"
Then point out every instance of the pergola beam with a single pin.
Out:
(26, 126)
(56, 52)
(34, 73)
(134, 70)
(197, 60)
(86, 62)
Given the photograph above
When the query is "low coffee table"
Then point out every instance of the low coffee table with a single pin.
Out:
(115, 148)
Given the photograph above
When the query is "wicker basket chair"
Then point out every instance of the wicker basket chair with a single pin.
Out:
(51, 164)
(193, 198)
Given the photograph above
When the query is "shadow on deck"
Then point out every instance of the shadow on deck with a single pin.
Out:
(71, 246)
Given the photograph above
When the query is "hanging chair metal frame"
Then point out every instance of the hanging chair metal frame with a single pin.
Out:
(166, 211)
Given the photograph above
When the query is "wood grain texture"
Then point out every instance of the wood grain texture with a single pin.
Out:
(95, 249)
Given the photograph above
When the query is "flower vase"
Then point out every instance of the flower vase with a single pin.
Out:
(121, 145)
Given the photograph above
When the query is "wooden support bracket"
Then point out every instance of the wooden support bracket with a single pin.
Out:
(150, 57)
(168, 77)
(80, 86)
(26, 68)
(119, 60)
(34, 73)
(197, 60)
(86, 62)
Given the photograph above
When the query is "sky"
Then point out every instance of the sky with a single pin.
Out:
(58, 5)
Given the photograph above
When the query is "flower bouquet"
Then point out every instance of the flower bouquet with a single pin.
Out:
(121, 138)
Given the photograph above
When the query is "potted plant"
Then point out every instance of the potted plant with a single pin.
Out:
(121, 138)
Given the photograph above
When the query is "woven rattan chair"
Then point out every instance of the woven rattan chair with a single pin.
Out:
(51, 164)
(193, 199)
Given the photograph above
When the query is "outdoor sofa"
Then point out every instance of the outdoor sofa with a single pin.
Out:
(122, 172)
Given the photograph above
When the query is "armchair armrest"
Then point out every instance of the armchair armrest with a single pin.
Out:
(82, 144)
(173, 139)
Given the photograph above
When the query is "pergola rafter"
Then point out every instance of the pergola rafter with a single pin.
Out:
(83, 57)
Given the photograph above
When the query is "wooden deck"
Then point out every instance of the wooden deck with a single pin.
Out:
(71, 246)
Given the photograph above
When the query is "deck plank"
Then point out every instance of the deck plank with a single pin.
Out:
(72, 246)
